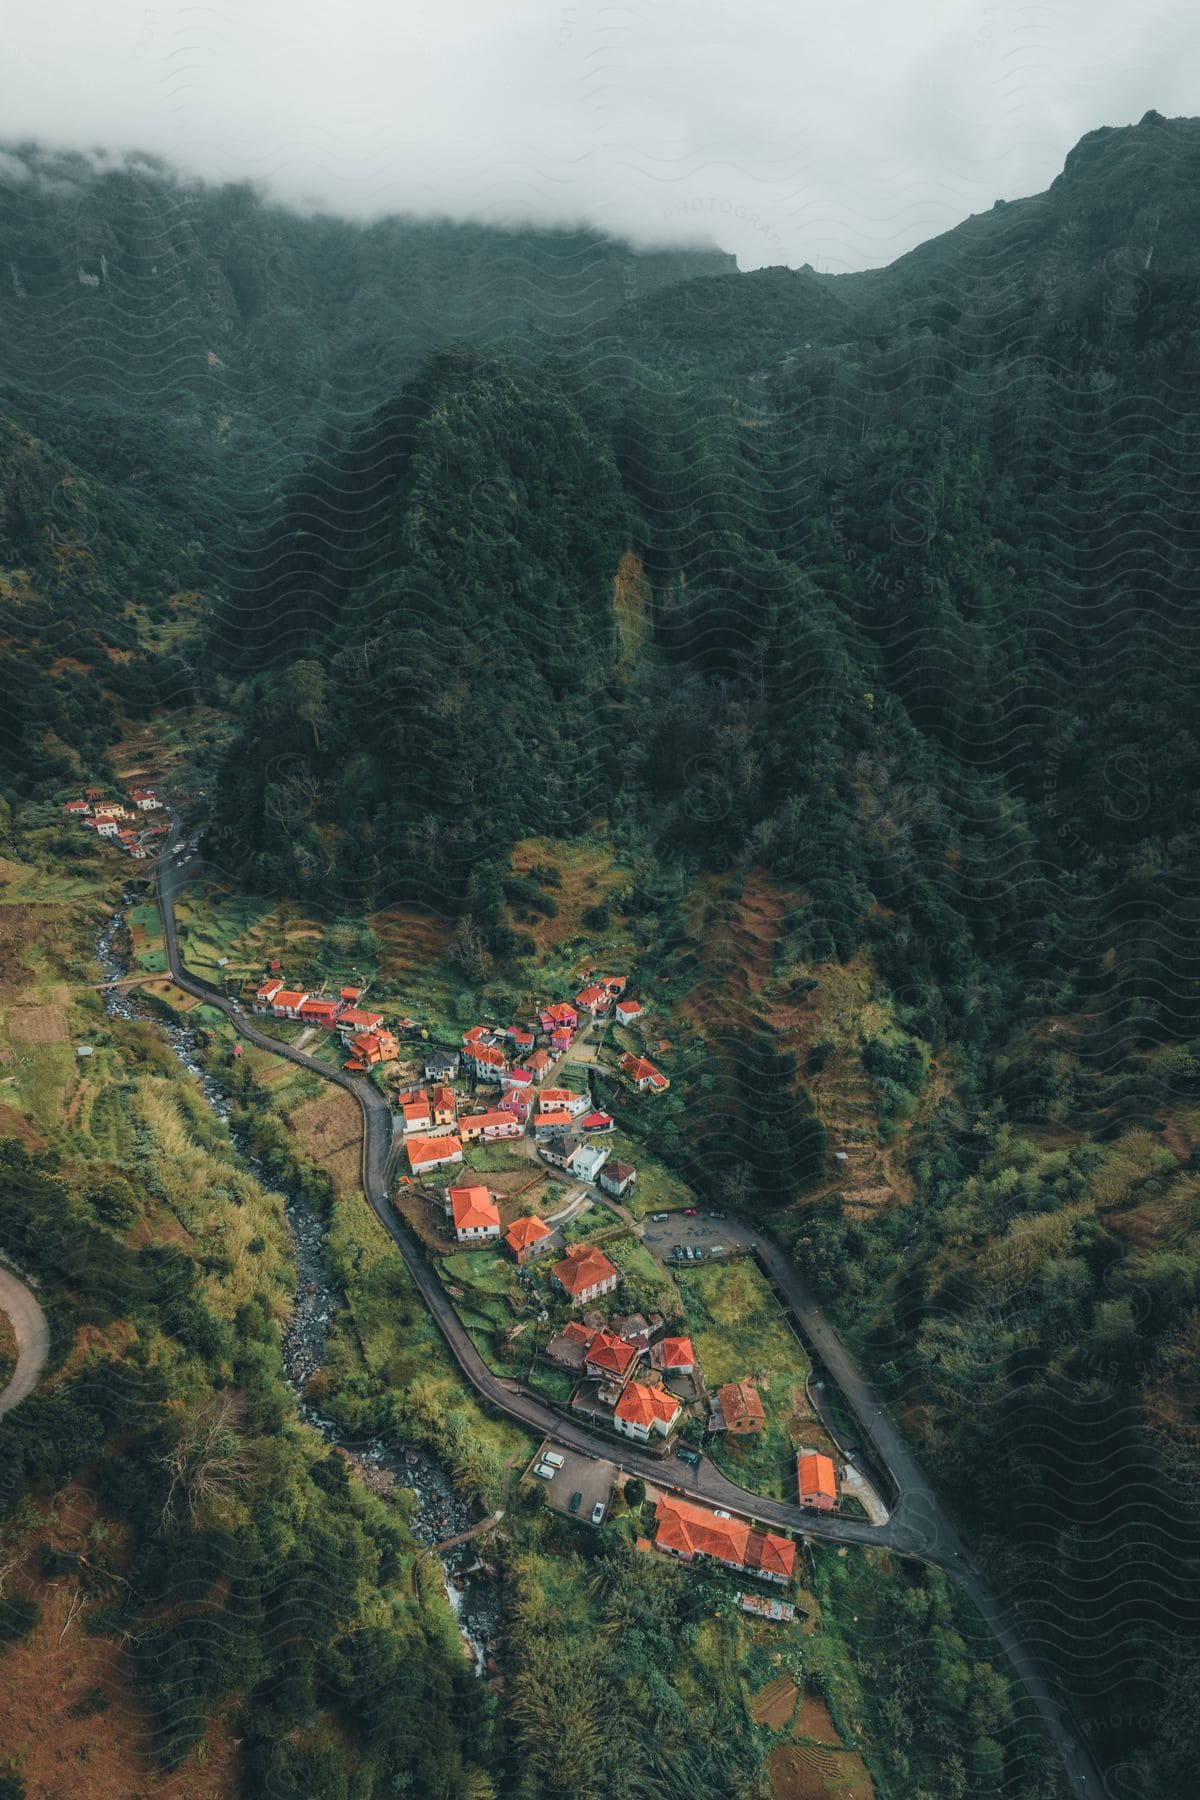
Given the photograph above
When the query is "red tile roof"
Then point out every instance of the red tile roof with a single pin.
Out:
(738, 1401)
(414, 1110)
(689, 1529)
(582, 1268)
(423, 1150)
(555, 1121)
(561, 1013)
(354, 1020)
(611, 1353)
(289, 997)
(591, 997)
(523, 1232)
(481, 1121)
(473, 1207)
(644, 1405)
(596, 1121)
(639, 1069)
(443, 1099)
(676, 1353)
(816, 1474)
(488, 1055)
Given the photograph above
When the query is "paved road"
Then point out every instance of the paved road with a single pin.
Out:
(33, 1339)
(919, 1525)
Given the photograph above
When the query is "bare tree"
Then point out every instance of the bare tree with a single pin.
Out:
(208, 1459)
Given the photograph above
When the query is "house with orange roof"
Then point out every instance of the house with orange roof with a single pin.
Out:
(427, 1154)
(350, 996)
(287, 1003)
(628, 1012)
(559, 1017)
(527, 1238)
(76, 806)
(517, 1102)
(673, 1355)
(474, 1212)
(374, 1047)
(548, 1124)
(107, 828)
(615, 984)
(556, 1099)
(609, 1358)
(585, 1273)
(319, 1012)
(643, 1409)
(593, 999)
(109, 809)
(539, 1064)
(738, 1409)
(487, 1061)
(145, 799)
(267, 990)
(487, 1127)
(417, 1113)
(643, 1074)
(443, 1104)
(568, 1347)
(687, 1531)
(817, 1480)
(520, 1037)
(516, 1078)
(352, 1020)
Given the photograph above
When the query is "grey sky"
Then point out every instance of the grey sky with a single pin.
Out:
(783, 130)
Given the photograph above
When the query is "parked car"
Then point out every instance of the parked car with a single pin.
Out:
(717, 1250)
(573, 1502)
(544, 1472)
(685, 1455)
(719, 1512)
(677, 1252)
(553, 1458)
(657, 1218)
(691, 1212)
(716, 1215)
(598, 1513)
(698, 1254)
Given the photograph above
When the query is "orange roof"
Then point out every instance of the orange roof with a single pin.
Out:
(608, 1351)
(555, 1121)
(817, 1474)
(560, 1011)
(550, 1097)
(643, 1405)
(474, 1033)
(350, 993)
(639, 1069)
(323, 1008)
(574, 1329)
(583, 1267)
(355, 1067)
(738, 1400)
(443, 1097)
(523, 1232)
(414, 1110)
(423, 1150)
(592, 996)
(472, 1207)
(687, 1529)
(354, 1020)
(539, 1060)
(676, 1353)
(487, 1054)
(480, 1121)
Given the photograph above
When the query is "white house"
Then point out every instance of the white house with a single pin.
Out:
(642, 1410)
(474, 1213)
(588, 1161)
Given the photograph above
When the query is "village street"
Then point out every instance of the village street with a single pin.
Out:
(919, 1526)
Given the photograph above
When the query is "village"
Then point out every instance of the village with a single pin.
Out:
(134, 825)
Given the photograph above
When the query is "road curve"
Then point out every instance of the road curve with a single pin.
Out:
(32, 1332)
(919, 1525)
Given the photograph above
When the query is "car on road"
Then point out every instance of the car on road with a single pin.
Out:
(691, 1212)
(716, 1215)
(598, 1513)
(684, 1455)
(573, 1502)
(719, 1512)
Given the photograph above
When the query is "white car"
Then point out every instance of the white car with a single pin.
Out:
(598, 1513)
(553, 1458)
(544, 1472)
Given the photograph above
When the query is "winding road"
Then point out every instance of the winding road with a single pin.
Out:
(32, 1333)
(919, 1525)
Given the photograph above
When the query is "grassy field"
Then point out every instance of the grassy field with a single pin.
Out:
(740, 1333)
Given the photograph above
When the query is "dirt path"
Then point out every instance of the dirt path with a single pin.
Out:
(33, 1339)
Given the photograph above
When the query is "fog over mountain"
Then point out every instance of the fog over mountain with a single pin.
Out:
(781, 133)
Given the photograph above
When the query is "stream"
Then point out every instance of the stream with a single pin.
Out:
(440, 1512)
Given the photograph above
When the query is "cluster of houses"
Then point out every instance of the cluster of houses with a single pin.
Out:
(364, 1034)
(687, 1532)
(118, 819)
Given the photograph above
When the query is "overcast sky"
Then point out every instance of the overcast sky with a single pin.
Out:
(786, 131)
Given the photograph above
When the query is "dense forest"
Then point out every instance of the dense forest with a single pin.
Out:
(882, 585)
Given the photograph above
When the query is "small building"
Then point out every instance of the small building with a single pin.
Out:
(686, 1531)
(520, 1038)
(76, 807)
(319, 1012)
(443, 1105)
(594, 1122)
(642, 1410)
(374, 1047)
(352, 1020)
(516, 1078)
(85, 1050)
(568, 1347)
(551, 1124)
(350, 996)
(585, 1273)
(529, 1237)
(558, 1017)
(487, 1062)
(588, 1161)
(643, 1074)
(267, 990)
(637, 1329)
(628, 1012)
(441, 1065)
(487, 1127)
(287, 1002)
(740, 1409)
(517, 1102)
(145, 799)
(616, 1178)
(94, 793)
(474, 1212)
(560, 1040)
(609, 1358)
(106, 828)
(559, 1150)
(417, 1114)
(764, 1606)
(817, 1480)
(674, 1356)
(427, 1154)
(539, 1065)
(594, 1000)
(555, 1099)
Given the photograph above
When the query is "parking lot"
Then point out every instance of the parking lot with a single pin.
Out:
(590, 1476)
(703, 1232)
